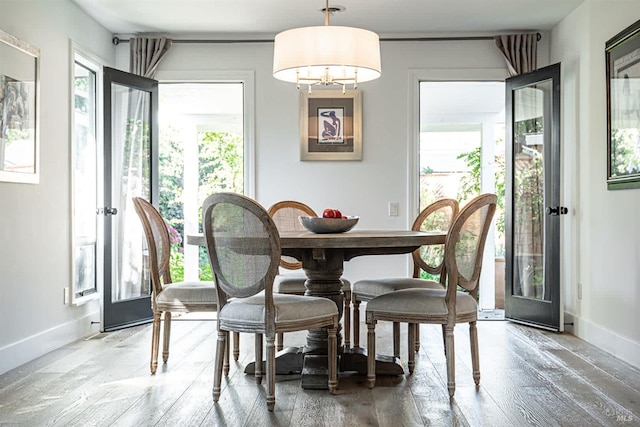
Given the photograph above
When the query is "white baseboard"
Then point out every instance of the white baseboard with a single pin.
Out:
(619, 346)
(28, 349)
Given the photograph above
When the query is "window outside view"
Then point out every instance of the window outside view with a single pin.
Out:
(462, 154)
(201, 152)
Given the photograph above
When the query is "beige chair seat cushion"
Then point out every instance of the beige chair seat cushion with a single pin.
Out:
(368, 289)
(421, 302)
(290, 310)
(293, 283)
(188, 295)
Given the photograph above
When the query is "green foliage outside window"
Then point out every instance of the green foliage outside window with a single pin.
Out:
(221, 163)
(470, 187)
(220, 169)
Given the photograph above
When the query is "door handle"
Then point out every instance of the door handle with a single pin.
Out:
(556, 210)
(107, 211)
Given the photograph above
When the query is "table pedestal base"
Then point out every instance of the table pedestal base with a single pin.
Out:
(315, 375)
(289, 361)
(355, 360)
(313, 367)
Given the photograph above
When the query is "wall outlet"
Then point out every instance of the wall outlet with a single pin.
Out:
(393, 208)
(579, 290)
(66, 295)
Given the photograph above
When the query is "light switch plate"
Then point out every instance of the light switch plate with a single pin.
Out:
(393, 208)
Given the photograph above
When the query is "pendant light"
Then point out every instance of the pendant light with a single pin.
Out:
(326, 55)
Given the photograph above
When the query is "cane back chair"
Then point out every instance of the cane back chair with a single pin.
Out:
(463, 253)
(244, 251)
(438, 215)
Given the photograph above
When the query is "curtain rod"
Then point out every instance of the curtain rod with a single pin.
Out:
(117, 40)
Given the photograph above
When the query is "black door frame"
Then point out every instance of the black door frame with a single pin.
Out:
(546, 313)
(138, 310)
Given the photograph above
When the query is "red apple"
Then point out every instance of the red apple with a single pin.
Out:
(328, 213)
(337, 214)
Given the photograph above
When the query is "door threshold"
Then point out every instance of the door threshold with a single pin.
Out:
(495, 314)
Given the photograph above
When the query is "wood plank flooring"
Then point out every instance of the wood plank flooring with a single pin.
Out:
(529, 378)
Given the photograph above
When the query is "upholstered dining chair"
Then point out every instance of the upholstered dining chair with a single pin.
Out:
(438, 215)
(168, 296)
(291, 279)
(463, 253)
(244, 251)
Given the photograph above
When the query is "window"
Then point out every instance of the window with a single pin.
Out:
(85, 151)
(461, 155)
(461, 146)
(202, 146)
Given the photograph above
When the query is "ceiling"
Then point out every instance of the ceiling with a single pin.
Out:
(242, 19)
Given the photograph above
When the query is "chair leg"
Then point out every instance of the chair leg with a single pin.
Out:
(155, 342)
(411, 341)
(417, 347)
(356, 320)
(371, 353)
(333, 360)
(271, 372)
(225, 367)
(258, 359)
(279, 341)
(166, 336)
(396, 339)
(236, 346)
(475, 354)
(451, 361)
(444, 339)
(220, 354)
(347, 319)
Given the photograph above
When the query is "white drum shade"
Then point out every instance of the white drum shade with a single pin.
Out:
(326, 55)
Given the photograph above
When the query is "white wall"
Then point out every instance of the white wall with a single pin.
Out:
(601, 236)
(34, 219)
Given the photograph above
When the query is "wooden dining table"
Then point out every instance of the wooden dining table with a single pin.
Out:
(323, 257)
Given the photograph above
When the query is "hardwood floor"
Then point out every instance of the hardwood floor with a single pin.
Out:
(529, 378)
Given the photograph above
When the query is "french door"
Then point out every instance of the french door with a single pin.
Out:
(130, 170)
(533, 211)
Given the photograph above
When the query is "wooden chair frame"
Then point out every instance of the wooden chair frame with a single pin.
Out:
(418, 265)
(157, 236)
(229, 293)
(449, 295)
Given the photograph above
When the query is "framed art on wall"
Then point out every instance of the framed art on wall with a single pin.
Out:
(331, 125)
(622, 54)
(19, 99)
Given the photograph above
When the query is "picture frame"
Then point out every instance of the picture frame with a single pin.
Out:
(331, 125)
(622, 53)
(19, 110)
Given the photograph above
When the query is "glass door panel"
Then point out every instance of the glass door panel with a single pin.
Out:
(131, 159)
(84, 153)
(532, 223)
(130, 125)
(528, 195)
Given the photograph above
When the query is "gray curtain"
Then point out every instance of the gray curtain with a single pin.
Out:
(520, 52)
(146, 54)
